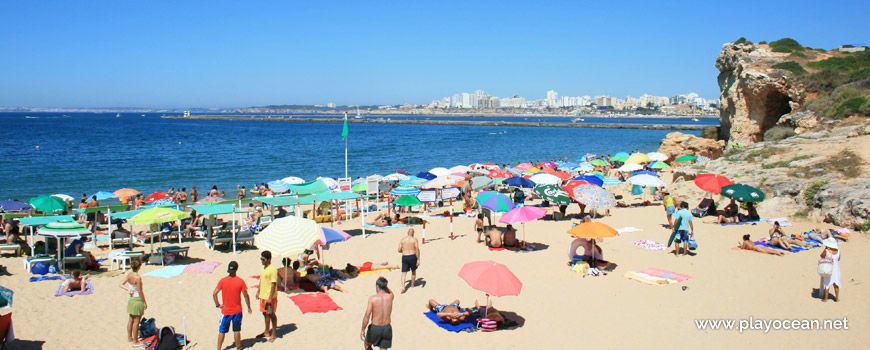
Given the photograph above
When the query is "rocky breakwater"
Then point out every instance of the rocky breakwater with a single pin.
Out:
(820, 175)
(753, 95)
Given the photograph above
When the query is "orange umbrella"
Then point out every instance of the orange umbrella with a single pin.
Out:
(592, 230)
(125, 192)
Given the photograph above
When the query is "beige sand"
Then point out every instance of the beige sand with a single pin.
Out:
(562, 309)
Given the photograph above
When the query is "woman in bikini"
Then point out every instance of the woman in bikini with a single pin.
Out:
(748, 245)
(778, 238)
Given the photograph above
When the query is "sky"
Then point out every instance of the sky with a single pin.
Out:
(191, 54)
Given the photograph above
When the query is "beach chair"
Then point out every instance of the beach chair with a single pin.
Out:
(120, 239)
(246, 236)
(75, 259)
(174, 250)
(14, 249)
(263, 221)
(29, 262)
(706, 206)
(146, 238)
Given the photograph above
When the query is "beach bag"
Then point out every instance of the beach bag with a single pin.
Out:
(693, 244)
(167, 339)
(826, 267)
(147, 328)
(168, 258)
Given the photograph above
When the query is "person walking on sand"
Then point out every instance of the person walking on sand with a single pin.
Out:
(137, 304)
(683, 229)
(670, 209)
(380, 306)
(831, 252)
(410, 251)
(268, 295)
(232, 288)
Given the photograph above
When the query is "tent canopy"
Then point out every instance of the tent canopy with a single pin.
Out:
(215, 209)
(127, 214)
(316, 186)
(119, 207)
(286, 200)
(43, 220)
(328, 196)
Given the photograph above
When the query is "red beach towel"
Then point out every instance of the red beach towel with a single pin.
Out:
(665, 274)
(315, 302)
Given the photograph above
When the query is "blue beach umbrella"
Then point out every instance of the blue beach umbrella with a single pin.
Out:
(647, 172)
(405, 191)
(101, 195)
(519, 182)
(426, 175)
(278, 186)
(495, 201)
(590, 178)
(567, 166)
(14, 205)
(611, 181)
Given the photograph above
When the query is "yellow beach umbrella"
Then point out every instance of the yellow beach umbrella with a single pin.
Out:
(637, 158)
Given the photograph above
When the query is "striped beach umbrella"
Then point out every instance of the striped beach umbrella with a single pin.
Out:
(288, 236)
(611, 181)
(278, 186)
(63, 229)
(405, 190)
(157, 216)
(495, 201)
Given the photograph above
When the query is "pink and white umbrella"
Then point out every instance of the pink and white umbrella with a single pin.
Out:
(521, 215)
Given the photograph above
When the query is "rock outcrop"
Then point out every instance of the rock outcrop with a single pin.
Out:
(845, 204)
(677, 144)
(753, 95)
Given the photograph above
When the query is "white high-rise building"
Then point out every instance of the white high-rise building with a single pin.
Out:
(466, 100)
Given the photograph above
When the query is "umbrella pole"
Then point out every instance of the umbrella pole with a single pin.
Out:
(179, 232)
(362, 215)
(234, 231)
(33, 250)
(109, 219)
(451, 217)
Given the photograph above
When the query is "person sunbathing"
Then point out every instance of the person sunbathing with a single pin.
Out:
(731, 209)
(355, 270)
(452, 312)
(76, 283)
(778, 237)
(818, 235)
(324, 283)
(747, 244)
(728, 219)
(382, 220)
(493, 238)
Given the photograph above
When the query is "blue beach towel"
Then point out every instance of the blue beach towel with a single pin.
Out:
(45, 278)
(795, 250)
(167, 272)
(101, 238)
(470, 322)
(391, 226)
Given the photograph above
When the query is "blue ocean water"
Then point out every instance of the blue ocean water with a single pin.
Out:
(87, 152)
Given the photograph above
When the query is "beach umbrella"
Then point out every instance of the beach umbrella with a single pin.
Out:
(331, 235)
(590, 178)
(545, 179)
(567, 166)
(491, 278)
(480, 182)
(400, 171)
(522, 214)
(292, 180)
(63, 229)
(14, 205)
(657, 156)
(646, 172)
(629, 167)
(101, 195)
(532, 170)
(413, 182)
(48, 204)
(426, 175)
(165, 201)
(637, 158)
(519, 182)
(570, 185)
(359, 187)
(611, 181)
(407, 200)
(619, 157)
(686, 158)
(211, 199)
(288, 236)
(460, 169)
(554, 194)
(515, 172)
(548, 165)
(585, 166)
(156, 196)
(66, 198)
(711, 182)
(487, 166)
(438, 182)
(646, 180)
(405, 190)
(523, 166)
(358, 181)
(158, 215)
(440, 171)
(329, 182)
(125, 192)
(659, 165)
(598, 162)
(500, 174)
(278, 186)
(560, 174)
(594, 197)
(593, 230)
(495, 201)
(396, 177)
(743, 193)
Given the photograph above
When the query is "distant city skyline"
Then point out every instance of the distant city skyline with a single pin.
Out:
(200, 54)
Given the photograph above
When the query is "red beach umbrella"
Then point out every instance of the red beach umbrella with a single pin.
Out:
(500, 174)
(491, 278)
(711, 182)
(156, 196)
(572, 184)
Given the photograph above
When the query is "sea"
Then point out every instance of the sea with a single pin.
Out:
(82, 153)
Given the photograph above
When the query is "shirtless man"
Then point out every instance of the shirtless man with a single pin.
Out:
(451, 312)
(509, 238)
(478, 226)
(181, 196)
(77, 282)
(380, 307)
(747, 244)
(410, 250)
(493, 238)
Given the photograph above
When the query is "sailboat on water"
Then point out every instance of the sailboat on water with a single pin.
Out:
(358, 116)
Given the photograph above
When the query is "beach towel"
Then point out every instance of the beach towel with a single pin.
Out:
(644, 278)
(470, 322)
(373, 271)
(740, 223)
(167, 272)
(101, 238)
(783, 221)
(45, 278)
(201, 267)
(628, 229)
(391, 226)
(316, 302)
(665, 274)
(650, 245)
(89, 289)
(766, 244)
(497, 249)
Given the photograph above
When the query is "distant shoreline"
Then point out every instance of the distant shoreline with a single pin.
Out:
(380, 120)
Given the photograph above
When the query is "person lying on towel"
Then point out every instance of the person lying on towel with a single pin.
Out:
(451, 313)
(77, 282)
(354, 270)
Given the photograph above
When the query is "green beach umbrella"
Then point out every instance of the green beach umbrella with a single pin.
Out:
(659, 165)
(685, 158)
(407, 200)
(157, 216)
(63, 229)
(554, 194)
(598, 162)
(743, 193)
(498, 180)
(47, 204)
(359, 187)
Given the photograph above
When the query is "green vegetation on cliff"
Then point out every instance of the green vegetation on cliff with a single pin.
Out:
(786, 45)
(791, 66)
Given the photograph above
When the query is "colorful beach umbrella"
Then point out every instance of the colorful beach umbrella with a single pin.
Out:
(657, 156)
(396, 177)
(126, 192)
(426, 175)
(611, 181)
(407, 200)
(519, 182)
(594, 197)
(331, 235)
(545, 179)
(554, 194)
(405, 190)
(548, 165)
(743, 193)
(156, 196)
(101, 195)
(359, 187)
(63, 229)
(619, 157)
(659, 165)
(646, 172)
(523, 166)
(495, 201)
(288, 236)
(14, 205)
(629, 167)
(598, 162)
(686, 158)
(593, 230)
(646, 180)
(491, 278)
(637, 158)
(500, 173)
(522, 214)
(278, 186)
(292, 180)
(48, 204)
(590, 178)
(711, 182)
(157, 216)
(211, 199)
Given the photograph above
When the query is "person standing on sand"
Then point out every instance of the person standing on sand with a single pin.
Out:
(268, 295)
(478, 226)
(380, 306)
(670, 209)
(684, 229)
(410, 258)
(233, 288)
(136, 305)
(831, 252)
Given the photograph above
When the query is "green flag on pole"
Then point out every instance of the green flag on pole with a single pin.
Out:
(344, 129)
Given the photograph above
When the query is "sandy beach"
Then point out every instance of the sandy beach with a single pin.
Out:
(558, 308)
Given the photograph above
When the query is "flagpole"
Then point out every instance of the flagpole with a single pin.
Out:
(345, 146)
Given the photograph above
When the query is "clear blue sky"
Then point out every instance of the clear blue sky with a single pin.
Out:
(250, 53)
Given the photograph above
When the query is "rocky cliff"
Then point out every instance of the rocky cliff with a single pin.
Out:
(753, 95)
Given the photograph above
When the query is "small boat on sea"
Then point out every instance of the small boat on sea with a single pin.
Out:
(118, 115)
(695, 119)
(578, 119)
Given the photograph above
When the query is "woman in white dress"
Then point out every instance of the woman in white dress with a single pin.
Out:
(831, 252)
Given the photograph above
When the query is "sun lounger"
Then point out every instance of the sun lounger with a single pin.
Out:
(246, 236)
(29, 262)
(263, 221)
(122, 241)
(122, 256)
(146, 238)
(175, 250)
(14, 249)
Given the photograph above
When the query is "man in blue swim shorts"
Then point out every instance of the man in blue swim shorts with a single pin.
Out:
(410, 250)
(233, 287)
